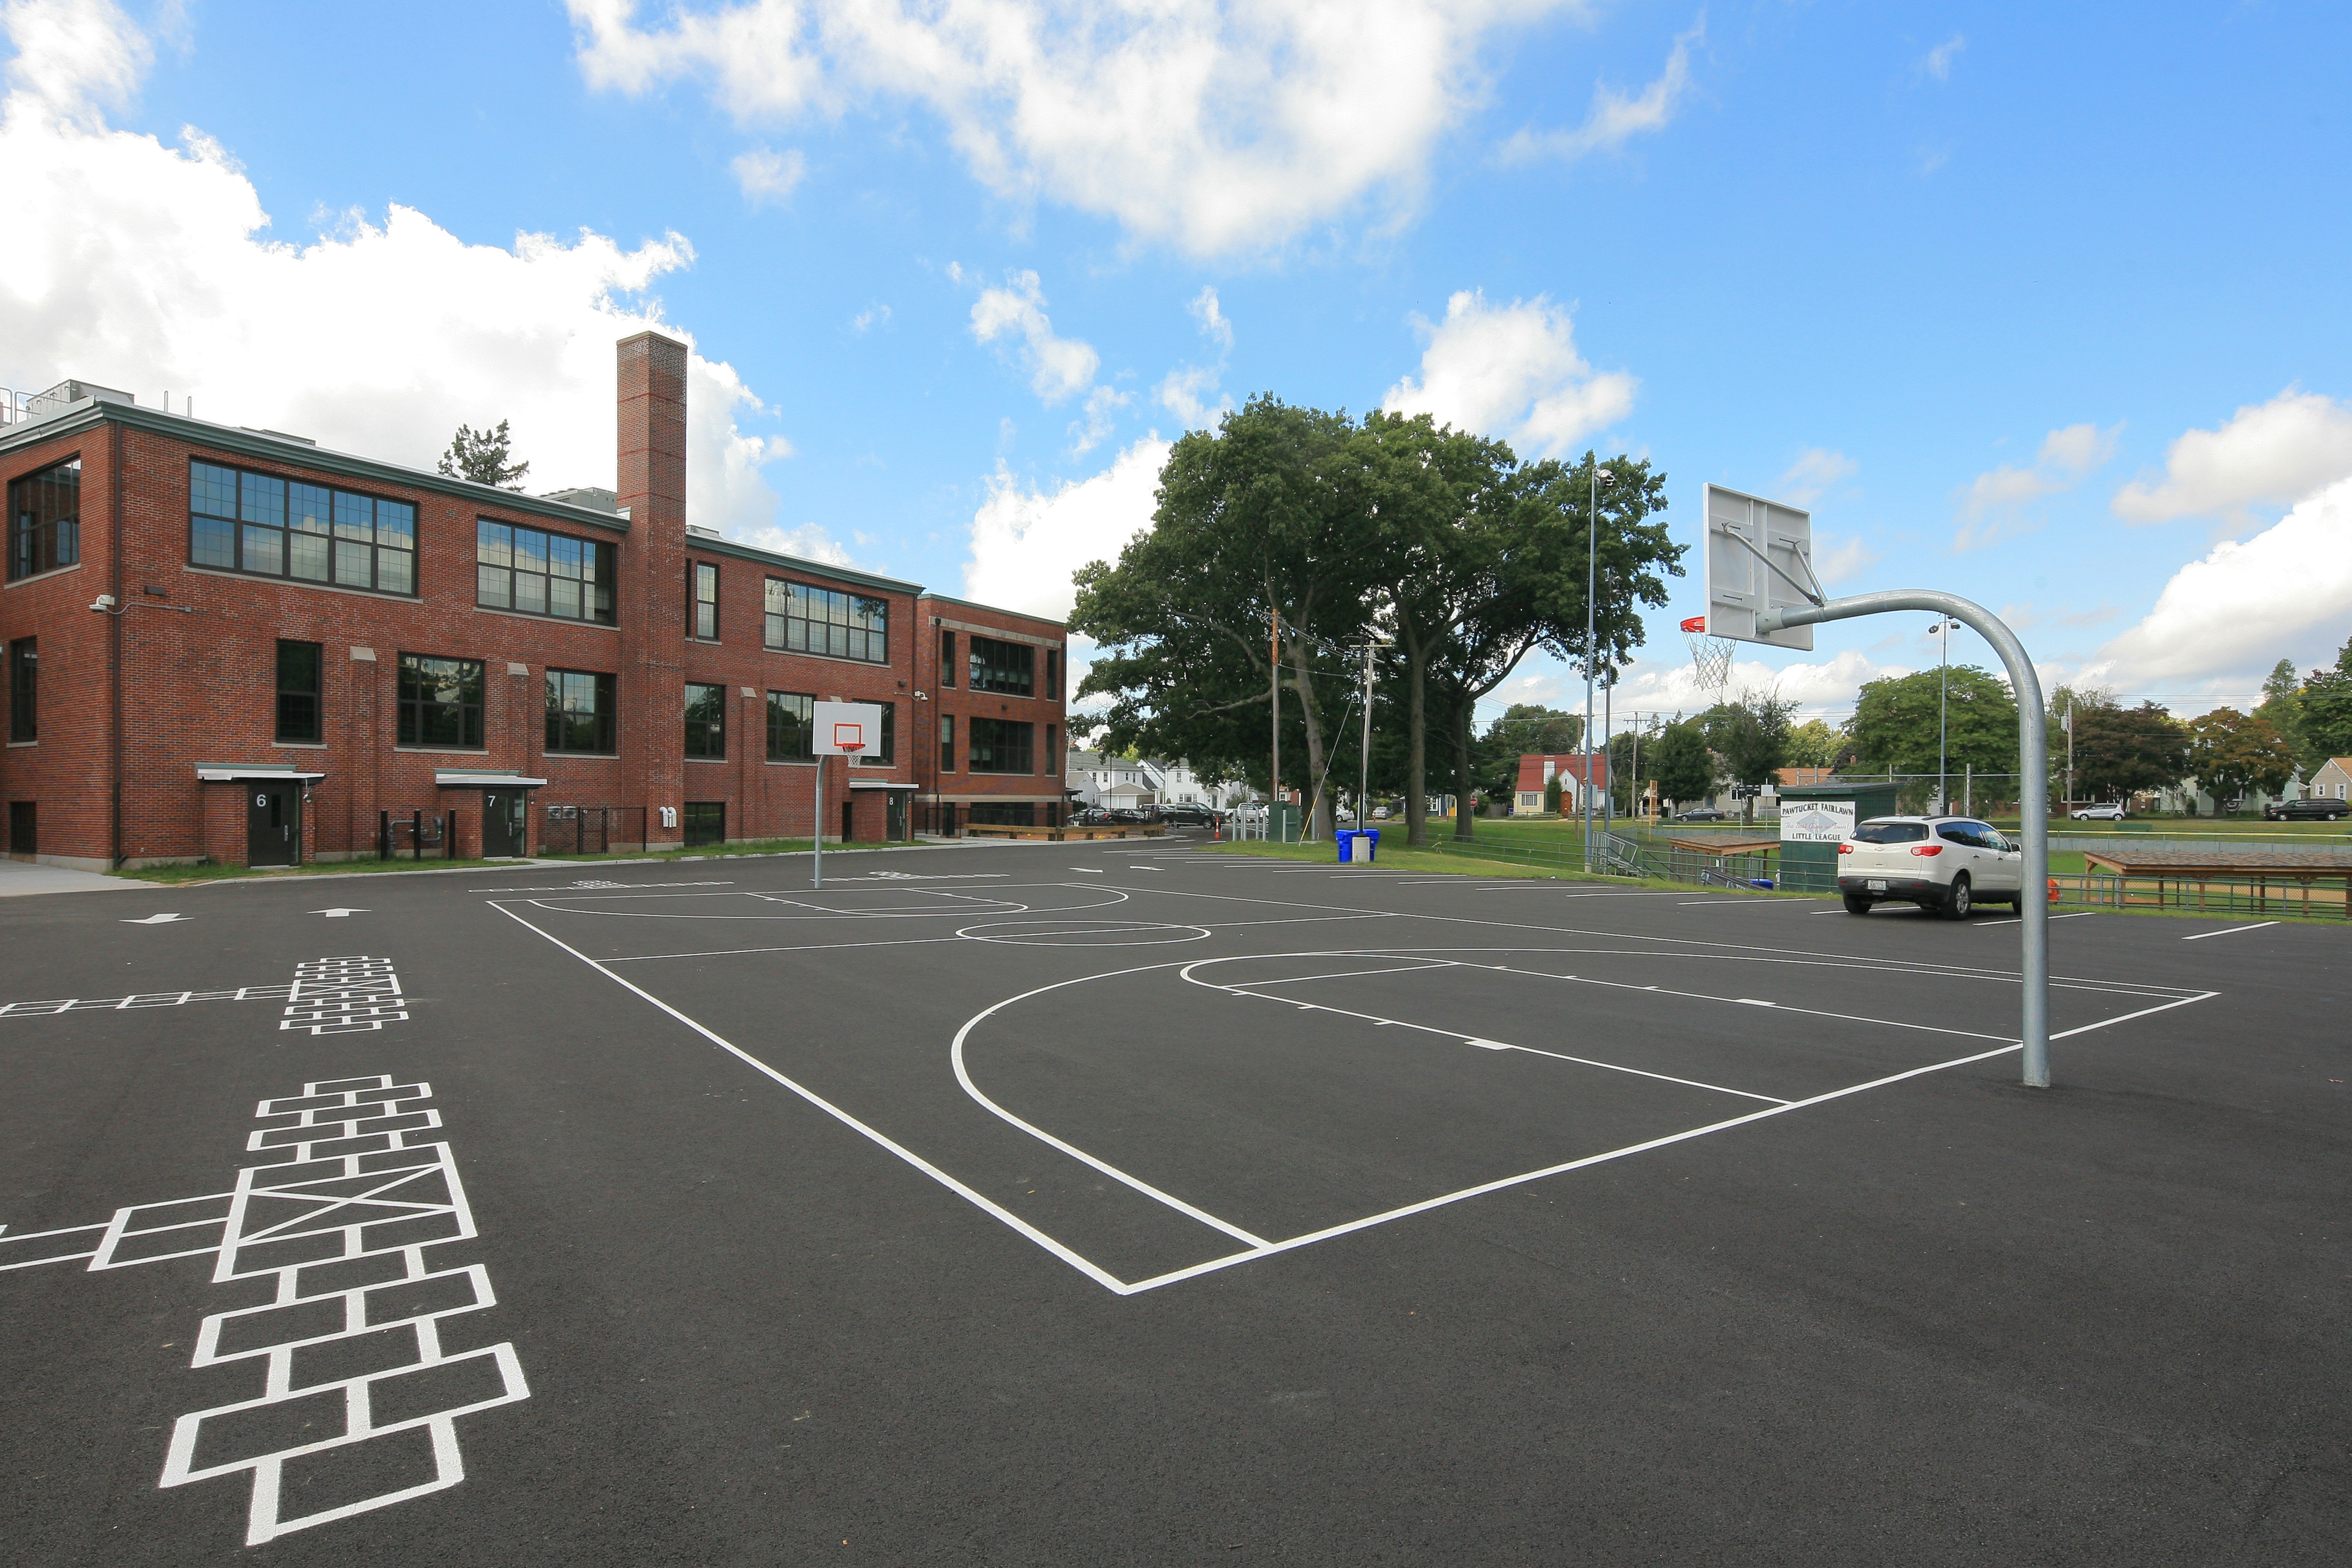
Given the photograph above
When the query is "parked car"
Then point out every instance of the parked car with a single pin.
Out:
(1703, 814)
(2110, 811)
(1945, 865)
(2310, 808)
(1092, 817)
(1380, 813)
(1187, 815)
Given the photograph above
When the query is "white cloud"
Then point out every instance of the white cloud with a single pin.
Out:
(1212, 317)
(2287, 590)
(1058, 367)
(1815, 470)
(2271, 453)
(1990, 504)
(809, 541)
(1668, 686)
(140, 266)
(1186, 391)
(1209, 127)
(872, 316)
(1938, 63)
(1616, 118)
(1025, 543)
(1511, 370)
(1103, 403)
(769, 176)
(1839, 557)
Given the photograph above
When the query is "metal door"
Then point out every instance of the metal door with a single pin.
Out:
(505, 828)
(273, 823)
(898, 829)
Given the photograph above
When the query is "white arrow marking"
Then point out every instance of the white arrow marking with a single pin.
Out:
(338, 914)
(155, 920)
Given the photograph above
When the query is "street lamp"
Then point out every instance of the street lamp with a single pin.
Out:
(1591, 591)
(1942, 630)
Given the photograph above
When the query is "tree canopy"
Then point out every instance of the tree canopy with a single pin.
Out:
(2231, 753)
(483, 456)
(1467, 558)
(1895, 724)
(2324, 712)
(1680, 762)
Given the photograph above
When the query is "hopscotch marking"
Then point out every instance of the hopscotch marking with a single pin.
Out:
(142, 1000)
(344, 996)
(349, 1180)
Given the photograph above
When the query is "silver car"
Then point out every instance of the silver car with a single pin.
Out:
(1947, 865)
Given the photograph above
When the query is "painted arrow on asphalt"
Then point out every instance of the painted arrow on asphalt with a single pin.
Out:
(155, 920)
(338, 914)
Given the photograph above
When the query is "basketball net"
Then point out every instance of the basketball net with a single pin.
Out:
(1711, 655)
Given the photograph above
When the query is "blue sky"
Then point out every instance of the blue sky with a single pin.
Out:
(2043, 305)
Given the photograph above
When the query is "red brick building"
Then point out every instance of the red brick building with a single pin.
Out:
(232, 644)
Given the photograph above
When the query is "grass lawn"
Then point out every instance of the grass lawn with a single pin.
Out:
(1461, 863)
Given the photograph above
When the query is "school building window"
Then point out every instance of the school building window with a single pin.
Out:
(25, 690)
(582, 711)
(44, 520)
(301, 717)
(706, 721)
(537, 574)
(947, 742)
(272, 527)
(790, 715)
(1053, 676)
(706, 601)
(440, 701)
(947, 657)
(801, 619)
(888, 755)
(1000, 746)
(1006, 666)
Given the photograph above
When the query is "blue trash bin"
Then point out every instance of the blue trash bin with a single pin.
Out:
(1346, 840)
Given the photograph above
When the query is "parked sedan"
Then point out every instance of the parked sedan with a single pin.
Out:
(2108, 811)
(1946, 864)
(2310, 808)
(1704, 813)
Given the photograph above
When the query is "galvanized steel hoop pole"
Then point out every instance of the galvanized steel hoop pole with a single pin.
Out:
(2033, 794)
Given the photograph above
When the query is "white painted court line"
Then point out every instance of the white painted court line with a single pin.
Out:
(2013, 920)
(2144, 1012)
(2229, 931)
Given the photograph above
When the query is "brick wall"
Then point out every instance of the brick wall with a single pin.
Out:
(959, 789)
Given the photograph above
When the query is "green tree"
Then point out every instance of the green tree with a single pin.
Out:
(2282, 708)
(482, 455)
(1752, 735)
(1265, 518)
(1681, 763)
(1552, 795)
(1813, 744)
(1894, 723)
(1526, 728)
(2233, 754)
(2325, 709)
(2119, 750)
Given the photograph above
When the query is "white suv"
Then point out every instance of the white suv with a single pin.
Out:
(1948, 865)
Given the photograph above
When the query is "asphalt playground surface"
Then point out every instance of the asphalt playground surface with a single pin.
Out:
(1124, 1203)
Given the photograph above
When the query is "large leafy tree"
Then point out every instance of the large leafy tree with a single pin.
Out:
(485, 457)
(1813, 744)
(1894, 724)
(2230, 753)
(1526, 728)
(1752, 735)
(1266, 518)
(1678, 759)
(2324, 708)
(2282, 708)
(2120, 750)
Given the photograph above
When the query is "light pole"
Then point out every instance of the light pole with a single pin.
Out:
(1942, 632)
(1595, 474)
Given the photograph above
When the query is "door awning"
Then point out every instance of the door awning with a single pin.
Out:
(237, 773)
(465, 778)
(883, 783)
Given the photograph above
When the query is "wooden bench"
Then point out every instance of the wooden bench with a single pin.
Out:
(1056, 835)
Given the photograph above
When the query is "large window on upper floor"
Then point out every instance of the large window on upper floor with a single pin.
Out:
(540, 573)
(274, 527)
(1006, 666)
(706, 721)
(44, 520)
(803, 620)
(301, 711)
(791, 717)
(1000, 746)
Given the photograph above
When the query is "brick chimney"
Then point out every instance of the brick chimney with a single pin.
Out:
(651, 593)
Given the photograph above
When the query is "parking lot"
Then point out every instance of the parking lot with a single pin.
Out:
(1139, 1203)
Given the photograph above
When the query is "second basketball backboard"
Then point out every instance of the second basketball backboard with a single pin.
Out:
(1760, 556)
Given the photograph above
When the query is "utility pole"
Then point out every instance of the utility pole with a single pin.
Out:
(1273, 703)
(1608, 729)
(2070, 751)
(1945, 626)
(1364, 779)
(1593, 473)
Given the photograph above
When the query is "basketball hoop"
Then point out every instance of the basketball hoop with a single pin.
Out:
(1711, 655)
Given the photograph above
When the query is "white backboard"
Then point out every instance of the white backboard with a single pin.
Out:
(1760, 556)
(846, 730)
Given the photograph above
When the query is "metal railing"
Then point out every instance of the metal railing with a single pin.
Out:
(591, 829)
(2279, 894)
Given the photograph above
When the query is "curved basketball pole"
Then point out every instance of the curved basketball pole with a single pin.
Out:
(2033, 794)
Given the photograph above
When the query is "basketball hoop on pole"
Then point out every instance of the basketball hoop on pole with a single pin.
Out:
(1712, 656)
